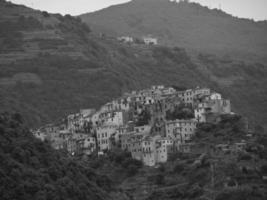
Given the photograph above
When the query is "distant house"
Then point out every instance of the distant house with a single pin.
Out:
(149, 40)
(126, 39)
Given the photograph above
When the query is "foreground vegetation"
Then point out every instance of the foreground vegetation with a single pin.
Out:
(31, 169)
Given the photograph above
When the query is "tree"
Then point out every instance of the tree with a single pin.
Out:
(144, 118)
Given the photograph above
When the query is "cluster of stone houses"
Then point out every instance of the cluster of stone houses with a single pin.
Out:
(137, 122)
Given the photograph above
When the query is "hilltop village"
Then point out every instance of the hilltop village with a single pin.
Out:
(150, 123)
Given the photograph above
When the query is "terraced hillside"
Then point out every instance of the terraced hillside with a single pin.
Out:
(189, 25)
(53, 65)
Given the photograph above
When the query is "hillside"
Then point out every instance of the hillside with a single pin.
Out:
(31, 169)
(189, 25)
(53, 65)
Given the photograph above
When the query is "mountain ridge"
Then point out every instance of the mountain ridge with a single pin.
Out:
(183, 24)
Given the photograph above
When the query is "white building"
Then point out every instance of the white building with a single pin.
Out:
(150, 40)
(149, 151)
(126, 39)
(215, 96)
(200, 114)
(215, 105)
(89, 145)
(40, 135)
(163, 146)
(104, 134)
(188, 96)
(180, 129)
(115, 118)
(185, 129)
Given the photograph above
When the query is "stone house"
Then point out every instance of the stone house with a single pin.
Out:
(209, 110)
(116, 118)
(189, 96)
(104, 134)
(185, 129)
(164, 146)
(136, 149)
(149, 151)
(89, 145)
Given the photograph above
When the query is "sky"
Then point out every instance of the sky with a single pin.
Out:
(252, 9)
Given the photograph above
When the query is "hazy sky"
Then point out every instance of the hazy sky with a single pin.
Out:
(256, 9)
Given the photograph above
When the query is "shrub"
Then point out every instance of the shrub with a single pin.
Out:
(178, 168)
(45, 14)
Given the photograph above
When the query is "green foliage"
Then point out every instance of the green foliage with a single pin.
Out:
(241, 194)
(178, 168)
(45, 14)
(74, 25)
(177, 55)
(264, 169)
(144, 118)
(157, 179)
(180, 112)
(179, 88)
(244, 156)
(230, 128)
(125, 160)
(50, 43)
(31, 169)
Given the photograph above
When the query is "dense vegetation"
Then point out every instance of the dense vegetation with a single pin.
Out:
(231, 128)
(31, 169)
(180, 112)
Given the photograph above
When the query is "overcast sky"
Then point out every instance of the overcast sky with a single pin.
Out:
(253, 9)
